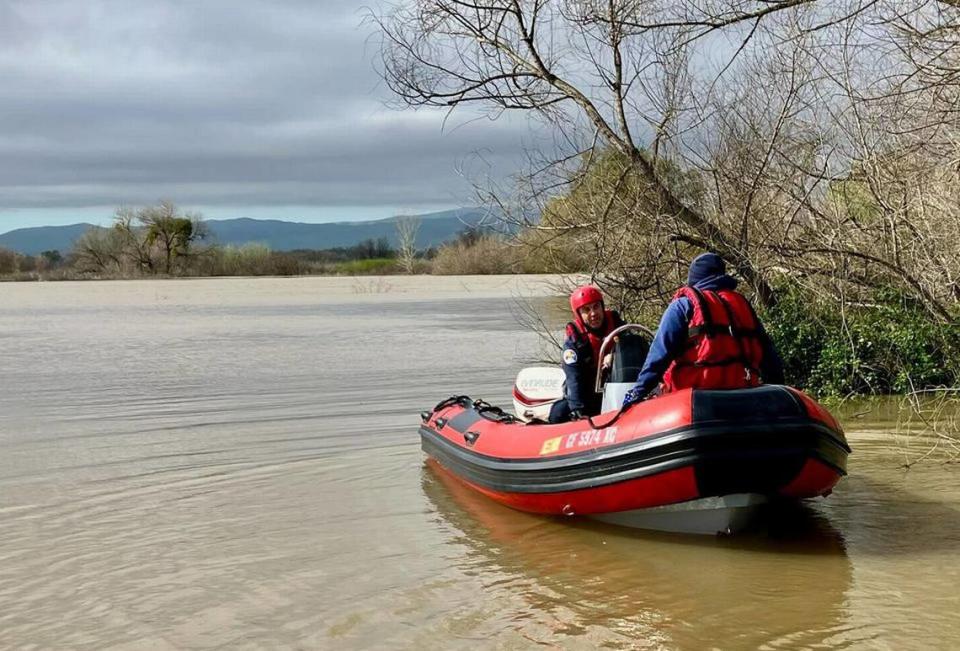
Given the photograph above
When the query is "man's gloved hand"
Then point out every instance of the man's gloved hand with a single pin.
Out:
(633, 396)
(576, 414)
(607, 361)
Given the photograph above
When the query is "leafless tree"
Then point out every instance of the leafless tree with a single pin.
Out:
(134, 245)
(617, 72)
(407, 229)
(810, 138)
(8, 261)
(100, 250)
(875, 198)
(151, 239)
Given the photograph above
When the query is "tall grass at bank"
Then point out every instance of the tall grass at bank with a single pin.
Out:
(259, 260)
(246, 260)
(485, 254)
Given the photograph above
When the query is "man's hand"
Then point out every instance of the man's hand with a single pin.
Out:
(576, 414)
(607, 361)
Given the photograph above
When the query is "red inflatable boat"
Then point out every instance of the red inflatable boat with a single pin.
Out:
(694, 460)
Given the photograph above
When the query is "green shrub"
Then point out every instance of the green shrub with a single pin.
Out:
(888, 346)
(370, 266)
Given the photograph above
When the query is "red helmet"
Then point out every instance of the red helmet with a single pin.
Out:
(584, 296)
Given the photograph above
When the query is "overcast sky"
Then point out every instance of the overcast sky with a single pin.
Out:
(255, 108)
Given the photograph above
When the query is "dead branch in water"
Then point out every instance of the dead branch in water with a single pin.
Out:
(933, 412)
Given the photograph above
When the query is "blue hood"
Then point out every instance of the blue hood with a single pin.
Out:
(708, 271)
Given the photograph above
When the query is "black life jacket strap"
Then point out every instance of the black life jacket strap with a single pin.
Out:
(715, 329)
(727, 361)
(708, 325)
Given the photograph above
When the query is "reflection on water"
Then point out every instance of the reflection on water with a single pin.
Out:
(785, 584)
(235, 464)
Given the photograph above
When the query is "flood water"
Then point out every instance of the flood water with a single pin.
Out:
(235, 464)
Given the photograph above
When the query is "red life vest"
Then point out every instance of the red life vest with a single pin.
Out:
(723, 348)
(579, 330)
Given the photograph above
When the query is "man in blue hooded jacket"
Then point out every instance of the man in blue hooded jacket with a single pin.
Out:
(675, 340)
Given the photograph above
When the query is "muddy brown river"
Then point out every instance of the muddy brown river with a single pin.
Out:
(235, 463)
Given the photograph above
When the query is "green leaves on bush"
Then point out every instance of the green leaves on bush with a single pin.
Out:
(887, 346)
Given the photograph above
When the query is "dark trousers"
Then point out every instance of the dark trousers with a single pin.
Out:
(560, 411)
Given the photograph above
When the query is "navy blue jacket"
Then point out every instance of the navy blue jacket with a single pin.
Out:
(671, 337)
(580, 371)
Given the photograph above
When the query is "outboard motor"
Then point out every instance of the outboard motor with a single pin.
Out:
(537, 388)
(535, 391)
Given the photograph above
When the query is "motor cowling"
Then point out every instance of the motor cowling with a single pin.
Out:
(536, 390)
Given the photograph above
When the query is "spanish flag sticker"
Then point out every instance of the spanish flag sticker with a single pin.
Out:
(550, 445)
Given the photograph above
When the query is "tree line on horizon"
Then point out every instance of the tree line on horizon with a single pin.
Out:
(163, 241)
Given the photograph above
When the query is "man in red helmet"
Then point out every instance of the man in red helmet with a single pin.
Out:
(581, 351)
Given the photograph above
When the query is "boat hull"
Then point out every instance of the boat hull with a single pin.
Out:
(724, 515)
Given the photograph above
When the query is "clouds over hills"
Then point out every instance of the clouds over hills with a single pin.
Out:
(108, 102)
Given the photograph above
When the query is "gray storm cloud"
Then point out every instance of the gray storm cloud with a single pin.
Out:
(217, 103)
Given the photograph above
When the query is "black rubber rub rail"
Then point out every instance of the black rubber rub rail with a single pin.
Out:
(727, 457)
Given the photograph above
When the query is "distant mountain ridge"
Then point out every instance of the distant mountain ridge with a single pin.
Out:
(33, 241)
(435, 229)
